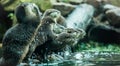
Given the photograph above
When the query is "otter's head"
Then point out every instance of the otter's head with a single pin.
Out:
(27, 12)
(52, 13)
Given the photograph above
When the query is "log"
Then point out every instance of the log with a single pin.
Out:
(81, 17)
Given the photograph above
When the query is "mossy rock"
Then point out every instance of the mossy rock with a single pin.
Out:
(43, 4)
(115, 2)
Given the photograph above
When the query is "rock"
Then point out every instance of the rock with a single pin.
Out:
(113, 15)
(97, 4)
(64, 8)
(109, 7)
(104, 33)
(10, 5)
(44, 4)
(76, 2)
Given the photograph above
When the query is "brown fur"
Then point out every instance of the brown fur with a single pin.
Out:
(45, 31)
(17, 39)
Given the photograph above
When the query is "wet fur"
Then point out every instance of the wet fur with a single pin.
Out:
(44, 33)
(17, 39)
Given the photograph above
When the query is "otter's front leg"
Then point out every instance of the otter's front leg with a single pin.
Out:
(30, 51)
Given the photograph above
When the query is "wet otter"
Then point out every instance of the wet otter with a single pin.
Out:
(69, 37)
(45, 30)
(17, 39)
(54, 44)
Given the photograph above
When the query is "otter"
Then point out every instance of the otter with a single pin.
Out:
(16, 40)
(44, 31)
(68, 36)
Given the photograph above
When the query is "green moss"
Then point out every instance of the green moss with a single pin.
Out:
(43, 4)
(96, 46)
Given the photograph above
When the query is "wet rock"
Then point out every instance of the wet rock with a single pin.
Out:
(109, 7)
(104, 33)
(43, 4)
(76, 2)
(113, 16)
(10, 4)
(64, 8)
(98, 5)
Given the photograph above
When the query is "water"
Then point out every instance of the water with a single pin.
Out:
(86, 58)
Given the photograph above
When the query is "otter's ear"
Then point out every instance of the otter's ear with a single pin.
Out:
(20, 14)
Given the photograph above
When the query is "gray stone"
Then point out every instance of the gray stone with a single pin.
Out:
(64, 8)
